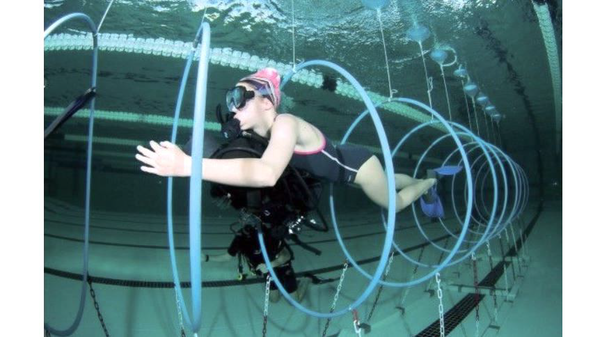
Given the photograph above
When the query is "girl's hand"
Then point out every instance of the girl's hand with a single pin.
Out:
(165, 159)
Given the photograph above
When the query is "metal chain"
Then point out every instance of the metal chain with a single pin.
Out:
(442, 253)
(412, 277)
(512, 232)
(525, 248)
(512, 265)
(441, 306)
(376, 300)
(489, 251)
(387, 270)
(439, 261)
(179, 313)
(356, 323)
(506, 280)
(339, 287)
(476, 284)
(501, 245)
(335, 298)
(495, 313)
(266, 311)
(93, 294)
(524, 243)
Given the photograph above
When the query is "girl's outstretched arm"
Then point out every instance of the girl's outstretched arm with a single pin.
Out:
(167, 159)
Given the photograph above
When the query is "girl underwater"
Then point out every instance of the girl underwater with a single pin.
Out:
(293, 141)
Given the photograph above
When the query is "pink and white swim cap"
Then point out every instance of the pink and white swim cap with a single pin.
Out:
(266, 81)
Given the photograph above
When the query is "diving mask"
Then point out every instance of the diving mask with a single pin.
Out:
(237, 97)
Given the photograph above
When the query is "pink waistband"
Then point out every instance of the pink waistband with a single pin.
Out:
(306, 153)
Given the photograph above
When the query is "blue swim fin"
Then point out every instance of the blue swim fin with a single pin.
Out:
(431, 205)
(448, 170)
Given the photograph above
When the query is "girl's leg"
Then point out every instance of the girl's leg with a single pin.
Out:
(403, 180)
(371, 178)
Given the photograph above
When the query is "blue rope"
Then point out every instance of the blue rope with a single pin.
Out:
(452, 193)
(391, 199)
(492, 147)
(195, 209)
(470, 189)
(172, 255)
(458, 217)
(88, 174)
(505, 194)
(489, 161)
(525, 188)
(483, 180)
(420, 228)
(517, 184)
(418, 127)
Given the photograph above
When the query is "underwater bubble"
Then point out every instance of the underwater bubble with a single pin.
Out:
(418, 33)
(471, 89)
(482, 99)
(439, 56)
(461, 72)
(491, 110)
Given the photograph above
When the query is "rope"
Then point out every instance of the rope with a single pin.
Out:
(71, 329)
(469, 189)
(427, 79)
(487, 131)
(467, 105)
(391, 214)
(493, 132)
(104, 16)
(447, 94)
(195, 198)
(475, 113)
(387, 65)
(293, 36)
